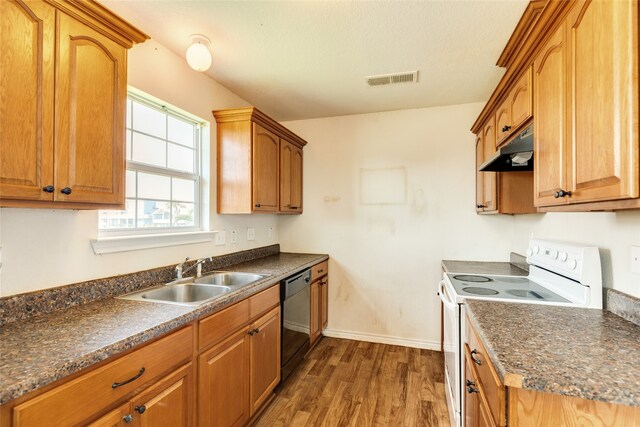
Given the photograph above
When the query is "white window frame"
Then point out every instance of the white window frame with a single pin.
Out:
(122, 239)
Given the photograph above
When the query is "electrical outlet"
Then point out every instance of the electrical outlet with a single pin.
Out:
(270, 232)
(635, 259)
(251, 234)
(220, 237)
(234, 237)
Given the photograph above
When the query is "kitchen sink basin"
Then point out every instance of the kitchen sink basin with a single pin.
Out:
(225, 278)
(195, 291)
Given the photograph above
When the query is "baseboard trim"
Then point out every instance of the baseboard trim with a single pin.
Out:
(383, 339)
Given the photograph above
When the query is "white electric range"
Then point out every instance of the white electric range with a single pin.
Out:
(559, 274)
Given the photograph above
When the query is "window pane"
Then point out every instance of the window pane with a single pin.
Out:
(149, 150)
(181, 132)
(128, 133)
(149, 121)
(152, 214)
(119, 219)
(183, 214)
(180, 158)
(183, 189)
(131, 184)
(152, 186)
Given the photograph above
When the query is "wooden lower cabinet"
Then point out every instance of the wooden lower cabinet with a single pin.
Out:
(319, 300)
(264, 358)
(115, 418)
(314, 324)
(223, 382)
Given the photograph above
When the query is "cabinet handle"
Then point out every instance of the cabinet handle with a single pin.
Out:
(321, 271)
(48, 189)
(138, 375)
(476, 361)
(256, 330)
(471, 389)
(506, 128)
(561, 193)
(127, 418)
(294, 207)
(469, 382)
(481, 206)
(66, 190)
(257, 205)
(140, 409)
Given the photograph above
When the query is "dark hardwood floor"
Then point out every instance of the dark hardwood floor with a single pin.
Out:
(355, 383)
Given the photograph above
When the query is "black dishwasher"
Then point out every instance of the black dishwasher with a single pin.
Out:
(295, 301)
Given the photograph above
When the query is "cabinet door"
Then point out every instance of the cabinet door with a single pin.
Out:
(89, 115)
(266, 154)
(265, 358)
(479, 175)
(168, 402)
(324, 303)
(490, 178)
(603, 159)
(520, 101)
(290, 177)
(26, 91)
(115, 418)
(471, 398)
(503, 121)
(314, 323)
(223, 382)
(550, 105)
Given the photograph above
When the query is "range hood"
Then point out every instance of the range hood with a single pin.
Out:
(516, 155)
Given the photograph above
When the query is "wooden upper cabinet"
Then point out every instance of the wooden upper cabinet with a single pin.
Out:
(490, 178)
(81, 165)
(290, 178)
(479, 175)
(550, 106)
(26, 89)
(515, 110)
(603, 153)
(259, 164)
(266, 158)
(90, 112)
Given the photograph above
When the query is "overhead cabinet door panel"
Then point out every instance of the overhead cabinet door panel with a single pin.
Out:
(604, 100)
(266, 155)
(26, 107)
(90, 110)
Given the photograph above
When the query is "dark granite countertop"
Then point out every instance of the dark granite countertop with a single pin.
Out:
(482, 267)
(586, 353)
(38, 351)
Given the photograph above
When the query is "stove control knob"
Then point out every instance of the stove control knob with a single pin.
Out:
(553, 254)
(563, 256)
(572, 264)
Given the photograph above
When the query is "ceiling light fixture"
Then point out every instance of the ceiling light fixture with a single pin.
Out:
(198, 54)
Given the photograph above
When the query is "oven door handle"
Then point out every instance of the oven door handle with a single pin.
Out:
(448, 304)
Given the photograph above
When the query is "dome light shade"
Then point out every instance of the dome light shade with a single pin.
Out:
(198, 54)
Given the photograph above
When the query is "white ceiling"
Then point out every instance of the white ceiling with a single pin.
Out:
(307, 59)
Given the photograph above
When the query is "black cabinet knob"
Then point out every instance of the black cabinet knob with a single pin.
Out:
(127, 418)
(48, 189)
(140, 409)
(561, 193)
(471, 389)
(480, 206)
(257, 205)
(66, 190)
(506, 128)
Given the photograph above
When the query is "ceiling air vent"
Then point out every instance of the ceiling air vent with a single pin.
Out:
(390, 79)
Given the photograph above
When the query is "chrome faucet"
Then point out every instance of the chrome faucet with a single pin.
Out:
(180, 272)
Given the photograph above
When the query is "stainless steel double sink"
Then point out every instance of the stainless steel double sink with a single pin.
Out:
(194, 291)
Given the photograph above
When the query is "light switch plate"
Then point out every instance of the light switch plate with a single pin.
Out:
(635, 259)
(220, 237)
(234, 237)
(270, 232)
(251, 234)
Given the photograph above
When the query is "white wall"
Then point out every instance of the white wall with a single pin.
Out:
(46, 248)
(613, 232)
(385, 258)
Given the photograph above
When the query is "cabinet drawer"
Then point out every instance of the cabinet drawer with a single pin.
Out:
(82, 398)
(488, 378)
(221, 324)
(319, 270)
(264, 301)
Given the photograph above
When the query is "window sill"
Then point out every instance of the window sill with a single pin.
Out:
(107, 245)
